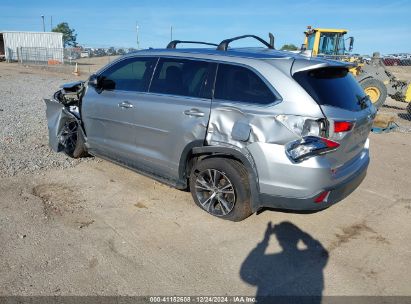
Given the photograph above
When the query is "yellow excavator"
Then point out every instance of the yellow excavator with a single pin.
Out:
(375, 79)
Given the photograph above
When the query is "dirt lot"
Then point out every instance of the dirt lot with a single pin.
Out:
(93, 228)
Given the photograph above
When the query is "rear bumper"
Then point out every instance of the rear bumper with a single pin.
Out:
(338, 193)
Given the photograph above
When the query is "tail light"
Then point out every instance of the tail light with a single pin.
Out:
(343, 126)
(340, 129)
(309, 146)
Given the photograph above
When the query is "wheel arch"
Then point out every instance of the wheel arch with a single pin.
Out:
(198, 152)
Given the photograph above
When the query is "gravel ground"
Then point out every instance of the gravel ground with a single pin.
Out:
(23, 125)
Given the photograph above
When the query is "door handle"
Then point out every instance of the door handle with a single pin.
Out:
(194, 112)
(125, 104)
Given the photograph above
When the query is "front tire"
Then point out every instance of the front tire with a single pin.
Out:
(71, 140)
(220, 186)
(376, 90)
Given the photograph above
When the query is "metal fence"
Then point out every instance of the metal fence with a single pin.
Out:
(39, 55)
(62, 59)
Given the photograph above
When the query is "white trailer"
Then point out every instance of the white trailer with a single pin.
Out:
(31, 46)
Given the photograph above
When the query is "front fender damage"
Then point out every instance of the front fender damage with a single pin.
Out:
(64, 107)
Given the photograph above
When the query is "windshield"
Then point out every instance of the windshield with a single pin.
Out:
(331, 44)
(310, 43)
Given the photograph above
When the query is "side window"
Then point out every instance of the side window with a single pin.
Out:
(180, 77)
(128, 75)
(237, 83)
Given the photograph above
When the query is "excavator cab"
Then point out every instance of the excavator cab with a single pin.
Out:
(327, 42)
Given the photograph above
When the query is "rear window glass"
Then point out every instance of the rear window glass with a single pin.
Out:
(180, 77)
(237, 83)
(334, 87)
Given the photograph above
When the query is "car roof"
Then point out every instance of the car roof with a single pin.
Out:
(250, 55)
(249, 52)
(240, 55)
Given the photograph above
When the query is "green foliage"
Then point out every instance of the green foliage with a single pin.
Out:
(289, 47)
(69, 37)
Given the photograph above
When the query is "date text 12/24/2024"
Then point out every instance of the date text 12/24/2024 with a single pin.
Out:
(202, 299)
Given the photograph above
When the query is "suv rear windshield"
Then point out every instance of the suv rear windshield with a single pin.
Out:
(334, 87)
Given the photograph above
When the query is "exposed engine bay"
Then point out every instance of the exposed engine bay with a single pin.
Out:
(70, 93)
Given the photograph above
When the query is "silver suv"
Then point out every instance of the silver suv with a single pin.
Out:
(242, 128)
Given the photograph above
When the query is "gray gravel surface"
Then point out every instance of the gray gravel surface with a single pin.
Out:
(23, 126)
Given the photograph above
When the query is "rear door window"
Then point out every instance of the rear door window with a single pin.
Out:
(236, 83)
(181, 77)
(131, 74)
(334, 87)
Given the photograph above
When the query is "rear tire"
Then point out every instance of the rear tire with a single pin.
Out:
(376, 90)
(71, 140)
(220, 186)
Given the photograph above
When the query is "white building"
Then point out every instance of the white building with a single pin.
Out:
(31, 46)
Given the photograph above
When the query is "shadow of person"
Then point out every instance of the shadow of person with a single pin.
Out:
(293, 275)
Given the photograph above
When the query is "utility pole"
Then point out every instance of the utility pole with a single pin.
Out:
(44, 27)
(51, 23)
(138, 41)
(171, 33)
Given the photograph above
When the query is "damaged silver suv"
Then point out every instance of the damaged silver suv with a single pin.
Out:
(242, 128)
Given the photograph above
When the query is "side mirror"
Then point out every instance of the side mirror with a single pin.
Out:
(106, 84)
(93, 80)
(101, 83)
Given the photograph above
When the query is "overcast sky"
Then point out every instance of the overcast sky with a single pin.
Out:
(383, 26)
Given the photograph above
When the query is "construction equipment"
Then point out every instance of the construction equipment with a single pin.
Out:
(375, 79)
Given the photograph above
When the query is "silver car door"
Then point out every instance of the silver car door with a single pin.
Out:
(174, 114)
(108, 109)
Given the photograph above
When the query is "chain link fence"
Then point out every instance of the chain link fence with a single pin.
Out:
(65, 60)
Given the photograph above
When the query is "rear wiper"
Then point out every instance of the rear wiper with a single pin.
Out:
(362, 101)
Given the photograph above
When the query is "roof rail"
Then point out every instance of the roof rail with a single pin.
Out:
(172, 44)
(223, 46)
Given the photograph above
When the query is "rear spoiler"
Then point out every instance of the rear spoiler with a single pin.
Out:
(300, 65)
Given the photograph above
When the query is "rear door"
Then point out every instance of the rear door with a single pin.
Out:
(342, 100)
(174, 113)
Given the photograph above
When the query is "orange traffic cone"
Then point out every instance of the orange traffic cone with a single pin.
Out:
(76, 71)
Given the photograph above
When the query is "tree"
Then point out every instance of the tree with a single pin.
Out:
(289, 47)
(69, 37)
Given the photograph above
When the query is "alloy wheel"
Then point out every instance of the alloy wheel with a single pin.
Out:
(215, 192)
(68, 136)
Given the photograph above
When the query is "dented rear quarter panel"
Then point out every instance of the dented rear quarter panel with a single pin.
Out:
(240, 124)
